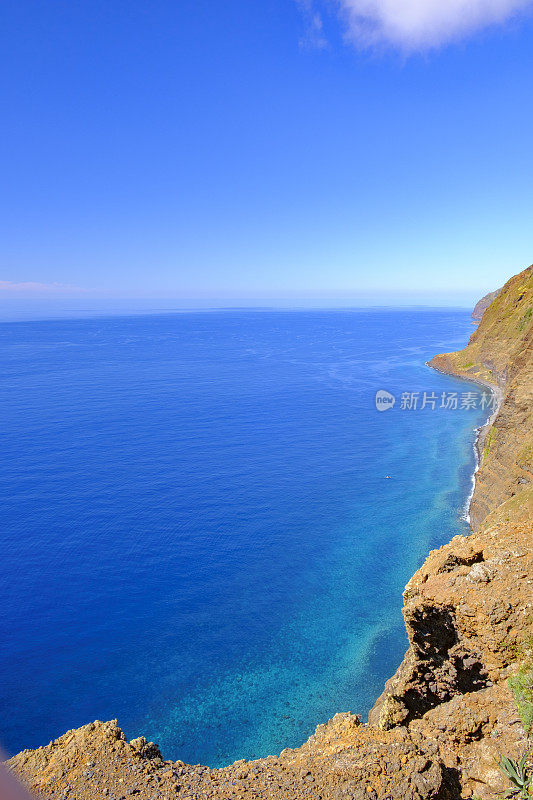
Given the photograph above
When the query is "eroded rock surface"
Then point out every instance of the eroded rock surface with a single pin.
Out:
(343, 759)
(469, 617)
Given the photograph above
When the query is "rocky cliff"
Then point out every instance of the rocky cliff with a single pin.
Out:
(464, 692)
(482, 305)
(500, 352)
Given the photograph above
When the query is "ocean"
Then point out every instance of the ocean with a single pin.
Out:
(198, 534)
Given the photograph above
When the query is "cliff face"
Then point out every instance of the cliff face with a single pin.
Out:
(447, 715)
(343, 759)
(482, 305)
(469, 610)
(469, 617)
(500, 352)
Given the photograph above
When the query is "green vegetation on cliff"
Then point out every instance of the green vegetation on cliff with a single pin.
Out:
(521, 686)
(500, 352)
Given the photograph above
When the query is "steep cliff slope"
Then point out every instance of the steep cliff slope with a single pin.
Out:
(450, 711)
(469, 610)
(469, 617)
(500, 352)
(482, 305)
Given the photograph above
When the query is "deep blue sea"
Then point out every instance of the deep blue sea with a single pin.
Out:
(198, 537)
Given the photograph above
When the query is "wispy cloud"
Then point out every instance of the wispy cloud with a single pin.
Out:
(314, 27)
(423, 24)
(32, 287)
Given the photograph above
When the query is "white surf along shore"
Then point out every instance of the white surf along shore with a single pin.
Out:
(481, 431)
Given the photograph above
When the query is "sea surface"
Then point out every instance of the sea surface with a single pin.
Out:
(198, 536)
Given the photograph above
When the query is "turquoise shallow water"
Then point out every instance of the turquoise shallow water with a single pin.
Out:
(198, 536)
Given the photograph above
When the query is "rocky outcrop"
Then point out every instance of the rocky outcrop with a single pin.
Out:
(343, 759)
(469, 616)
(449, 712)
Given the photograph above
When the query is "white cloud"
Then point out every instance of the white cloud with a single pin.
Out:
(32, 287)
(423, 24)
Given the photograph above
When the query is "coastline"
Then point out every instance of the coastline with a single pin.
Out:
(481, 431)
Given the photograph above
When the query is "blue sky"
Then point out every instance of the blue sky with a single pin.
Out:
(350, 151)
